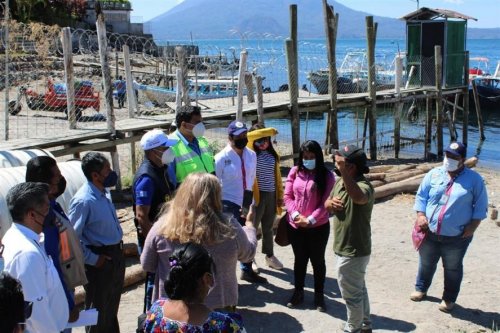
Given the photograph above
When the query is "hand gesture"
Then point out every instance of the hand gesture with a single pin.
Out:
(334, 205)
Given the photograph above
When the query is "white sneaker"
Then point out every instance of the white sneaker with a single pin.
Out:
(255, 267)
(273, 262)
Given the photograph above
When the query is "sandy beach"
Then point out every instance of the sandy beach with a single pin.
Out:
(390, 279)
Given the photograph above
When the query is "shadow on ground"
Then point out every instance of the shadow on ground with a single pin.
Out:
(488, 320)
(255, 321)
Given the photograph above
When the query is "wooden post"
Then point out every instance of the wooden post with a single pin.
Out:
(7, 63)
(331, 25)
(108, 90)
(451, 127)
(465, 125)
(260, 100)
(438, 61)
(455, 107)
(294, 96)
(293, 83)
(371, 32)
(365, 127)
(129, 81)
(68, 76)
(293, 28)
(250, 88)
(131, 101)
(428, 128)
(478, 110)
(133, 156)
(398, 106)
(181, 56)
(116, 65)
(241, 84)
(178, 91)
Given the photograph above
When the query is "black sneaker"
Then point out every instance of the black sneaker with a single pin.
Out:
(297, 298)
(252, 277)
(319, 302)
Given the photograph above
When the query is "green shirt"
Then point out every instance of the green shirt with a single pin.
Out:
(351, 227)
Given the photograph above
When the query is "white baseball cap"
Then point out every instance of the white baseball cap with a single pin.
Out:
(156, 138)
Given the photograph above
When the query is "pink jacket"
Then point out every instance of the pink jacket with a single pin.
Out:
(301, 195)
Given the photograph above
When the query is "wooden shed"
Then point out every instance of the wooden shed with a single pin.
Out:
(426, 28)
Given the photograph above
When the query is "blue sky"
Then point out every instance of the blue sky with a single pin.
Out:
(486, 11)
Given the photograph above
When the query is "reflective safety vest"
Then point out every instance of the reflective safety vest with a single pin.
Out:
(188, 161)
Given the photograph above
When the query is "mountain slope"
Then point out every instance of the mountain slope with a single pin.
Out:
(215, 19)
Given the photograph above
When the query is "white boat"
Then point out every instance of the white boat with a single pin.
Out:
(197, 90)
(353, 74)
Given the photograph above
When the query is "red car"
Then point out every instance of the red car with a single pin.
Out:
(54, 99)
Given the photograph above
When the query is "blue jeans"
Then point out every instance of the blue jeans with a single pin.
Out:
(229, 207)
(452, 251)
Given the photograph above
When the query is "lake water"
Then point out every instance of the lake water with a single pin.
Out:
(266, 57)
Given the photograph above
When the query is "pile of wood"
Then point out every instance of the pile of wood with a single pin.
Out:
(405, 178)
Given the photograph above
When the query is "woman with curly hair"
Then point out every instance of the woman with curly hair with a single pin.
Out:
(195, 215)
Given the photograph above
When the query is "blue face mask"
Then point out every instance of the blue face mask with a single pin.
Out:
(309, 164)
(2, 263)
(110, 179)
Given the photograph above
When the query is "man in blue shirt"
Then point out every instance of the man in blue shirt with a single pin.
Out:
(44, 169)
(151, 189)
(450, 203)
(121, 91)
(94, 218)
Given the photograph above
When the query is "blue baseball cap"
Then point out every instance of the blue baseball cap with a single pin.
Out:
(236, 128)
(456, 149)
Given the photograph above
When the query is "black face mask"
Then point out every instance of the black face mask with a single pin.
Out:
(61, 187)
(337, 171)
(240, 143)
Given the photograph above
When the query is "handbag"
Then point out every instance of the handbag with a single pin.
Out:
(418, 236)
(281, 237)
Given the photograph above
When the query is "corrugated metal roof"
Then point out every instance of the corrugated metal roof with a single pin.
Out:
(425, 13)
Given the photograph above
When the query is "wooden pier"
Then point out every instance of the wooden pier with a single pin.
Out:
(97, 136)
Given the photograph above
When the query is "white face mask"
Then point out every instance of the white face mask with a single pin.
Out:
(198, 130)
(167, 156)
(450, 165)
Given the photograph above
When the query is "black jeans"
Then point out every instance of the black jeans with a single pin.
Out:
(104, 289)
(309, 244)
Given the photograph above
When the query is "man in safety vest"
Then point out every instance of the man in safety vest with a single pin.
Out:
(192, 152)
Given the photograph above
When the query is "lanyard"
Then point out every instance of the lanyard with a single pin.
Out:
(446, 197)
(243, 173)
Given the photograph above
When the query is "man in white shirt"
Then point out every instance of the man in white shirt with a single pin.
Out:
(235, 166)
(26, 260)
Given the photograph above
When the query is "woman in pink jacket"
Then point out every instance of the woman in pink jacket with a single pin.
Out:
(308, 185)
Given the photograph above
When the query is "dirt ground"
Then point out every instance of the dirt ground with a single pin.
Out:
(390, 279)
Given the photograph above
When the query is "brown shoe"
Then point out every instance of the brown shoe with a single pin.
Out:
(446, 306)
(417, 296)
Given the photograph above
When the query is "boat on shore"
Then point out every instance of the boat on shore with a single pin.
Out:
(197, 90)
(488, 89)
(352, 75)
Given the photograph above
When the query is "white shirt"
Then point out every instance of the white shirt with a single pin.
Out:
(228, 170)
(26, 260)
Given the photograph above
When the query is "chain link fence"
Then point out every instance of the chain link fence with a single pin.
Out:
(37, 103)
